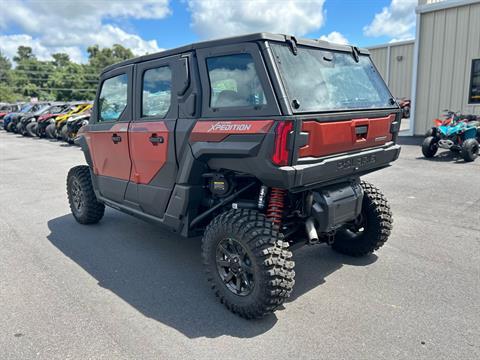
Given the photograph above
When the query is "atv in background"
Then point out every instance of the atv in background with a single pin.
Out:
(16, 125)
(6, 109)
(30, 123)
(23, 121)
(10, 120)
(405, 106)
(455, 132)
(74, 124)
(46, 119)
(54, 129)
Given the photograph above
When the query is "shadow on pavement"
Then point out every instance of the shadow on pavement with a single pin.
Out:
(445, 156)
(161, 275)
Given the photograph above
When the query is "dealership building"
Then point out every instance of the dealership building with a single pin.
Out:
(440, 69)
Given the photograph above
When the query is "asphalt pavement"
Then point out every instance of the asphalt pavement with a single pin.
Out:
(126, 289)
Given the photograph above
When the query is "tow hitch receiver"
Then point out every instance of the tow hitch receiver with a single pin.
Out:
(335, 205)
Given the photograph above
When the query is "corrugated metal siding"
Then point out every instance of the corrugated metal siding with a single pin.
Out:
(399, 78)
(449, 41)
(379, 57)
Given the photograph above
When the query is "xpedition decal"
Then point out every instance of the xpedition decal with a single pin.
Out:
(218, 130)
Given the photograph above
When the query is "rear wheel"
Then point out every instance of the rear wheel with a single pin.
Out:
(429, 147)
(64, 133)
(371, 230)
(248, 264)
(84, 204)
(30, 130)
(10, 127)
(51, 132)
(470, 150)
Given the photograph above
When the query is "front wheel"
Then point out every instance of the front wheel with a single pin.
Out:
(247, 262)
(429, 147)
(372, 228)
(470, 150)
(85, 207)
(31, 130)
(51, 131)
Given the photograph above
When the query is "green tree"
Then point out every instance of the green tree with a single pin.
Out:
(98, 58)
(7, 91)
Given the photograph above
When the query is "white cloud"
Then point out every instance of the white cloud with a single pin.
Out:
(397, 20)
(220, 18)
(71, 26)
(335, 37)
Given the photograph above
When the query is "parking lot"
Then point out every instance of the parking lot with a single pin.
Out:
(127, 289)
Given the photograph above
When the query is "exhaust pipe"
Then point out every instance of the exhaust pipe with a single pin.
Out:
(311, 231)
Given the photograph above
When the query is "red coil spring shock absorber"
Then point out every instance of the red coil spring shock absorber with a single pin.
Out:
(275, 206)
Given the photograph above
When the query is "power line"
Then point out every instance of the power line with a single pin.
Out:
(52, 89)
(52, 72)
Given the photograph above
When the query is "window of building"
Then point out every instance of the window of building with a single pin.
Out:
(234, 82)
(157, 91)
(113, 98)
(474, 94)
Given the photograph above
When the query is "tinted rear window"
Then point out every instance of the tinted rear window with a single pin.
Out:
(318, 80)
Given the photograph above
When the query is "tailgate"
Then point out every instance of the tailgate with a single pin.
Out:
(335, 137)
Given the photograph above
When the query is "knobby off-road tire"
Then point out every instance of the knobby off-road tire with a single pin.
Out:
(376, 225)
(30, 130)
(84, 204)
(64, 133)
(429, 147)
(470, 150)
(51, 132)
(269, 277)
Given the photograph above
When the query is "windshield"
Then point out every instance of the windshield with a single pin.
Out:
(319, 80)
(26, 108)
(42, 109)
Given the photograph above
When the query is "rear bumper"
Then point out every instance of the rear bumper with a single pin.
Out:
(343, 166)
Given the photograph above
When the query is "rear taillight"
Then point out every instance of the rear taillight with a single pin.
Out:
(281, 153)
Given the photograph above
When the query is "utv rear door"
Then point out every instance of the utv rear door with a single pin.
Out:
(107, 135)
(152, 136)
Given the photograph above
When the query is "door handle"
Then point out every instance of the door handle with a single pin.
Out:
(155, 139)
(116, 138)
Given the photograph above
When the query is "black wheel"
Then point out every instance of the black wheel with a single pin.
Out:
(64, 133)
(248, 264)
(470, 150)
(10, 127)
(371, 230)
(30, 130)
(84, 204)
(429, 147)
(51, 132)
(429, 132)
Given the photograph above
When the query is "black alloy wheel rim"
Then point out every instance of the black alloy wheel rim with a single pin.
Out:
(235, 267)
(77, 196)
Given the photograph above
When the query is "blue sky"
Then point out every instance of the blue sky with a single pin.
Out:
(147, 26)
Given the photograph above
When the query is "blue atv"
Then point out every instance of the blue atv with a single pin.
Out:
(457, 133)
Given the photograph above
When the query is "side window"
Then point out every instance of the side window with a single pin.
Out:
(234, 82)
(157, 91)
(113, 98)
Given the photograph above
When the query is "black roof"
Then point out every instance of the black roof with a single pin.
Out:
(232, 40)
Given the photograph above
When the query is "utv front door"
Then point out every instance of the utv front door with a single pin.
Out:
(152, 136)
(107, 134)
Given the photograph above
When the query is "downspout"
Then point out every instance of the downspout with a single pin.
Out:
(413, 91)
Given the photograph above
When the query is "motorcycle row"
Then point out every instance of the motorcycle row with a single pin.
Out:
(53, 120)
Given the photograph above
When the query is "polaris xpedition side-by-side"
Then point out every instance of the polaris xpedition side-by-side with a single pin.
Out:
(256, 142)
